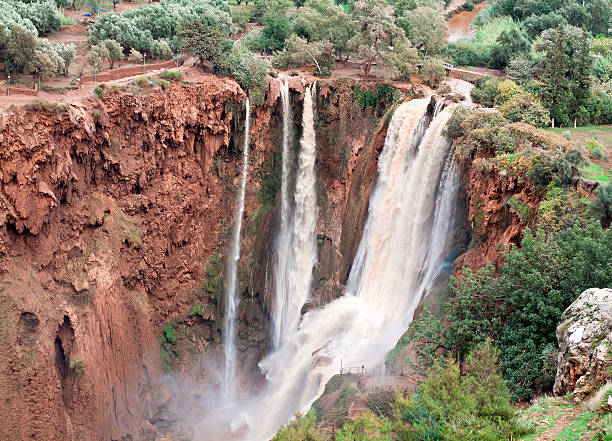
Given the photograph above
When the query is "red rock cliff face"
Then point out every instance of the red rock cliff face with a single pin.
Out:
(114, 221)
(495, 222)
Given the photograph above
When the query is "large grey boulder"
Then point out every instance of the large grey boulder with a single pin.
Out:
(585, 338)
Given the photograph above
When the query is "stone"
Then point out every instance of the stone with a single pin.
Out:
(584, 336)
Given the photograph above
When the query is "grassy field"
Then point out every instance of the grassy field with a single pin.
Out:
(597, 169)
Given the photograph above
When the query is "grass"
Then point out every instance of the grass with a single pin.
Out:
(576, 428)
(596, 172)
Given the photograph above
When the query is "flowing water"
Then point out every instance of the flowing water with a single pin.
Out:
(231, 288)
(296, 247)
(401, 252)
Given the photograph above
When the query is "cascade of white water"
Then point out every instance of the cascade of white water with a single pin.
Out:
(410, 217)
(296, 246)
(231, 288)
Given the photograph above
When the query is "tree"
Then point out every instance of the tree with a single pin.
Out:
(426, 29)
(320, 20)
(67, 52)
(276, 29)
(602, 205)
(520, 69)
(524, 107)
(135, 57)
(161, 50)
(556, 93)
(41, 65)
(113, 52)
(509, 44)
(433, 71)
(580, 70)
(203, 36)
(377, 34)
(20, 47)
(299, 52)
(96, 56)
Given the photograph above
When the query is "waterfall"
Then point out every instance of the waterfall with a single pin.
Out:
(231, 294)
(296, 244)
(410, 217)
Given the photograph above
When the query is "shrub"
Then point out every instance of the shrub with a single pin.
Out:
(506, 90)
(160, 49)
(602, 205)
(165, 85)
(142, 82)
(485, 91)
(171, 75)
(526, 108)
(135, 57)
(98, 91)
(595, 149)
(78, 366)
(433, 71)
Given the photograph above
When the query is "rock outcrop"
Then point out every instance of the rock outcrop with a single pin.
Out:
(585, 336)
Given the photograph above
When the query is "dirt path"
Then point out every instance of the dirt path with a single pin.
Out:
(552, 432)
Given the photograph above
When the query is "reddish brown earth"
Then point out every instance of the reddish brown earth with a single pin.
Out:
(110, 211)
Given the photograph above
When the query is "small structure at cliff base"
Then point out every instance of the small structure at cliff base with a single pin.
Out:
(585, 338)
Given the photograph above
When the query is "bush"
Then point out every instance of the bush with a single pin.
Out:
(433, 71)
(506, 90)
(595, 149)
(165, 85)
(171, 75)
(602, 205)
(526, 108)
(161, 50)
(485, 91)
(135, 57)
(142, 82)
(450, 406)
(98, 91)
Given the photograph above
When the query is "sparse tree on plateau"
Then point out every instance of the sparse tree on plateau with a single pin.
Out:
(113, 53)
(203, 36)
(377, 34)
(426, 28)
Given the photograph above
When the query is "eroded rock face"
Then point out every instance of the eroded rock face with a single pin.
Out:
(585, 336)
(114, 221)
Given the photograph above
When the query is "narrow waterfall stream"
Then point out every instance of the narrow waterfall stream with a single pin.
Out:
(296, 246)
(231, 295)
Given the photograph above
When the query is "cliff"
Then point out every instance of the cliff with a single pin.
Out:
(114, 221)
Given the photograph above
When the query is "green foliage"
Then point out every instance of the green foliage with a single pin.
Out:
(198, 309)
(602, 205)
(486, 91)
(381, 403)
(135, 57)
(524, 107)
(167, 345)
(487, 39)
(595, 149)
(509, 44)
(248, 69)
(78, 366)
(171, 76)
(300, 428)
(325, 20)
(161, 50)
(299, 52)
(98, 91)
(433, 71)
(451, 406)
(203, 36)
(276, 29)
(165, 85)
(426, 28)
(380, 99)
(365, 428)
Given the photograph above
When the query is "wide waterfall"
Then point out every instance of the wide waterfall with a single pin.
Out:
(296, 244)
(231, 288)
(402, 249)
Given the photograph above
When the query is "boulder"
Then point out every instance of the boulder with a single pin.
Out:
(585, 336)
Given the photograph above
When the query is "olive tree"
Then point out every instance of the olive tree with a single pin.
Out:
(377, 35)
(324, 20)
(426, 29)
(203, 36)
